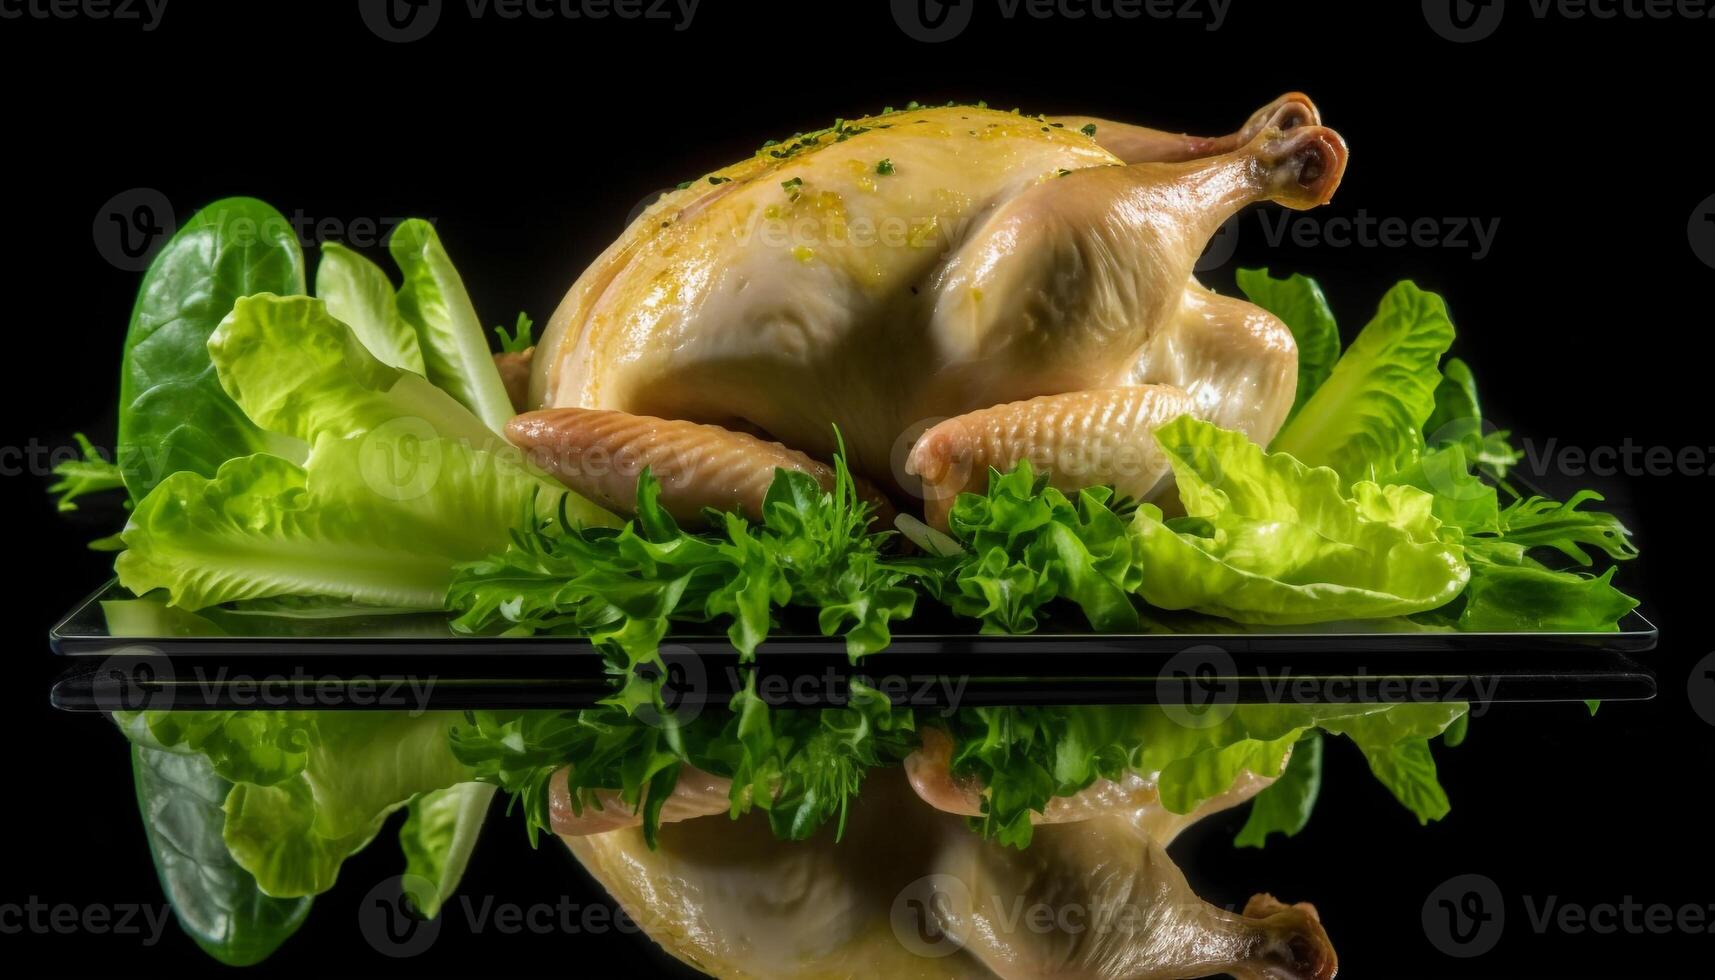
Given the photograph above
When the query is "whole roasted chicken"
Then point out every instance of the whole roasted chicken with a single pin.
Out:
(909, 890)
(947, 289)
(950, 288)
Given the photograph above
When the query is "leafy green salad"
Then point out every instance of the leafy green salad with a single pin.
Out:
(318, 449)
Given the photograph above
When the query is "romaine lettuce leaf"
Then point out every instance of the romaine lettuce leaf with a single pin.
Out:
(1458, 418)
(307, 788)
(381, 520)
(297, 371)
(454, 347)
(1298, 301)
(1367, 420)
(361, 766)
(1284, 806)
(1024, 756)
(439, 834)
(1530, 597)
(359, 294)
(1267, 539)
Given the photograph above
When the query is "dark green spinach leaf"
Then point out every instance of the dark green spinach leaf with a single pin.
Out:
(173, 414)
(216, 902)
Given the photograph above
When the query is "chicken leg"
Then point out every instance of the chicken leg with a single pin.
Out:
(910, 891)
(1236, 361)
(1140, 144)
(1210, 354)
(1101, 899)
(1080, 439)
(600, 454)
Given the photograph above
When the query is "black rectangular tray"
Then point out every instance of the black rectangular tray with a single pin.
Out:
(228, 661)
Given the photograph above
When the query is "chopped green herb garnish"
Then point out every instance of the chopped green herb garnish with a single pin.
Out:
(884, 168)
(93, 473)
(720, 180)
(1088, 130)
(521, 339)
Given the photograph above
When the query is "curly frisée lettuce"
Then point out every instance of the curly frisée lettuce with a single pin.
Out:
(623, 588)
(804, 768)
(1025, 544)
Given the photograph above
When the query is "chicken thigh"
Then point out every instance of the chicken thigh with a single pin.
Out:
(952, 288)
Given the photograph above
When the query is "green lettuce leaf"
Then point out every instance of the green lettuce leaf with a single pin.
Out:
(361, 766)
(439, 834)
(1367, 420)
(359, 294)
(1024, 756)
(173, 415)
(1407, 769)
(1267, 539)
(454, 347)
(1298, 301)
(1530, 597)
(297, 371)
(379, 520)
(1458, 419)
(1284, 806)
(1511, 590)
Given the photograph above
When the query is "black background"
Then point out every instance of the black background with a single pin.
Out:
(529, 142)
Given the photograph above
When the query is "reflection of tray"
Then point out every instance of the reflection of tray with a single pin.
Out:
(416, 662)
